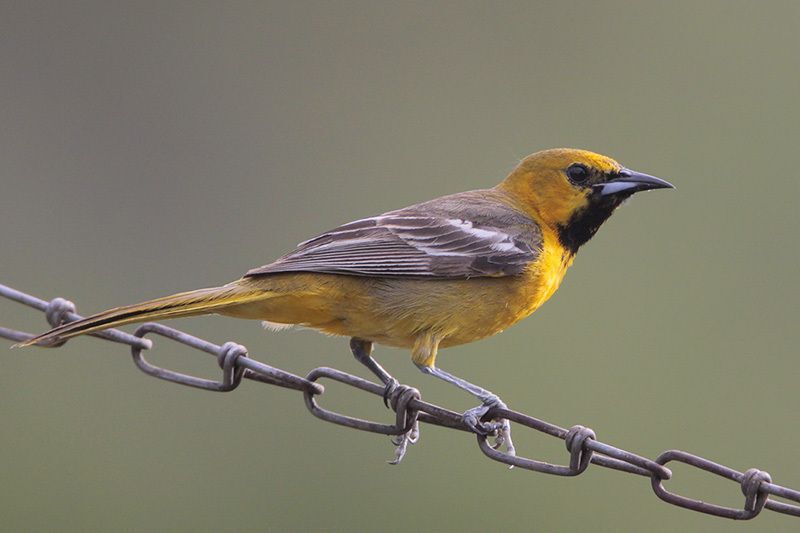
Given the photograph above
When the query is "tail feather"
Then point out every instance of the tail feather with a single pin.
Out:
(192, 303)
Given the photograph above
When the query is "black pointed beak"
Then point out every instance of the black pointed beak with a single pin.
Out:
(629, 182)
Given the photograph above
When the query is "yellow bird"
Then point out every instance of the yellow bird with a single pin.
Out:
(441, 273)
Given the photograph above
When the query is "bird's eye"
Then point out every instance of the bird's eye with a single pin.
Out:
(577, 173)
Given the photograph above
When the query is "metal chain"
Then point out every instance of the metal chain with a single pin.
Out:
(409, 408)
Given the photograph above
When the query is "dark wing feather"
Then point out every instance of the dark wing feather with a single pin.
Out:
(409, 243)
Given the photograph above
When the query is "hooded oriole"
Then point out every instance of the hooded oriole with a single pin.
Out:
(436, 274)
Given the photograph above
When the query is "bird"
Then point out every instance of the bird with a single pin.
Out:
(437, 274)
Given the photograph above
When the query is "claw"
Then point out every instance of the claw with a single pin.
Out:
(501, 429)
(401, 443)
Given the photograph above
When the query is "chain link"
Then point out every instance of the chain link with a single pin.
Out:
(581, 442)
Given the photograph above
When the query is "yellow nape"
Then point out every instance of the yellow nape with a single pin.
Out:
(542, 188)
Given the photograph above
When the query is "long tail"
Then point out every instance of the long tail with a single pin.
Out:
(192, 303)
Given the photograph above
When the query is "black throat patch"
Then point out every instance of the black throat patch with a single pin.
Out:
(583, 224)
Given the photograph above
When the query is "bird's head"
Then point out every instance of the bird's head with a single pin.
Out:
(574, 191)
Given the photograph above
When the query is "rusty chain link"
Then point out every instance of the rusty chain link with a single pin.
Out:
(581, 442)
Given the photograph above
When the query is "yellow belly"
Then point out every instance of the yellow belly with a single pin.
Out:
(395, 312)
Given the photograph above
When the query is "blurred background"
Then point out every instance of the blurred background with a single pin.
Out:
(152, 147)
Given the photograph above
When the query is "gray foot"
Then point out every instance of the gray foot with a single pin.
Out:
(401, 443)
(500, 429)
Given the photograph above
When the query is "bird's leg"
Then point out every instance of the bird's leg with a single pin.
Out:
(362, 351)
(424, 356)
(472, 417)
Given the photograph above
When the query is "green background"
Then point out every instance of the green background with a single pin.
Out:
(148, 148)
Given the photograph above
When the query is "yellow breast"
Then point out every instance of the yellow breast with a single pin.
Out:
(541, 280)
(396, 311)
(549, 270)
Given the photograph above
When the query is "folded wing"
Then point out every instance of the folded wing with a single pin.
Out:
(411, 245)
